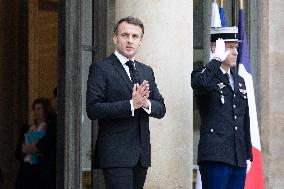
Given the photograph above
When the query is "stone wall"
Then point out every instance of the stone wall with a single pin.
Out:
(272, 92)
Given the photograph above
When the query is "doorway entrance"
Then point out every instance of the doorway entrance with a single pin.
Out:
(50, 43)
(28, 69)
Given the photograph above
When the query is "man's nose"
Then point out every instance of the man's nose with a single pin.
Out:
(235, 51)
(130, 39)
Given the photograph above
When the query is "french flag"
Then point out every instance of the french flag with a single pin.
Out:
(255, 178)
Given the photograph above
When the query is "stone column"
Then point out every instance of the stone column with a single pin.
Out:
(272, 93)
(167, 48)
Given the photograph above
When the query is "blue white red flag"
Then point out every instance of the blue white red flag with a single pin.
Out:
(255, 178)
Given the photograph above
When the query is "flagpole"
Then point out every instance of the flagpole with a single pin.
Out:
(241, 4)
(222, 4)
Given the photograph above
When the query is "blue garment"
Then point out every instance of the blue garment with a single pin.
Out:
(30, 138)
(217, 175)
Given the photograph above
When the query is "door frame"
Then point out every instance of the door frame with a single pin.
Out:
(70, 81)
(70, 48)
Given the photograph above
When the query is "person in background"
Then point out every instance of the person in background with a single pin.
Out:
(30, 135)
(47, 148)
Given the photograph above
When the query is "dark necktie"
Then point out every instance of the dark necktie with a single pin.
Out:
(133, 72)
(227, 77)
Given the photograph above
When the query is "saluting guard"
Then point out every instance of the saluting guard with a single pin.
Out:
(225, 148)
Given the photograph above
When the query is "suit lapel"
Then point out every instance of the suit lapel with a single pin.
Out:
(121, 71)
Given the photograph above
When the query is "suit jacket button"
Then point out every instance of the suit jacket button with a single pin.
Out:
(235, 117)
(211, 130)
(234, 106)
(236, 128)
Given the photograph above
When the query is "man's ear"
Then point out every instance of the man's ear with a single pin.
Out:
(141, 40)
(213, 47)
(114, 38)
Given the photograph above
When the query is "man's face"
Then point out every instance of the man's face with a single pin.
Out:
(231, 59)
(128, 39)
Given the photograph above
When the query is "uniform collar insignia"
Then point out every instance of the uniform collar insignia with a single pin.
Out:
(221, 85)
(240, 84)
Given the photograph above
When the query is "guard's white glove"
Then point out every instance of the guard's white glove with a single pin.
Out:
(248, 165)
(220, 50)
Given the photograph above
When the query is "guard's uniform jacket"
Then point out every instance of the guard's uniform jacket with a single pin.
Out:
(225, 126)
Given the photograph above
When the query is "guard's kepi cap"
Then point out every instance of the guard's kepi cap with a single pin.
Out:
(226, 33)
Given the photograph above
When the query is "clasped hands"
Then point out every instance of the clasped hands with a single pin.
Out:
(140, 95)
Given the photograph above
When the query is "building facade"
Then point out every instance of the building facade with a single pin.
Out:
(50, 43)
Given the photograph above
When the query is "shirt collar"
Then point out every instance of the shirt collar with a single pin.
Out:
(224, 71)
(122, 58)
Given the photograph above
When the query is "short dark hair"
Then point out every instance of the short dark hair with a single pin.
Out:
(129, 20)
(45, 104)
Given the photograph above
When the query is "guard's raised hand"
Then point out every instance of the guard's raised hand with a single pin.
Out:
(220, 52)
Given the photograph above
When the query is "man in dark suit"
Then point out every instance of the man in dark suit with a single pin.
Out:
(225, 148)
(122, 95)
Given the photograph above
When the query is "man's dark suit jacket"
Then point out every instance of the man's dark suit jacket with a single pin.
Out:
(225, 126)
(122, 138)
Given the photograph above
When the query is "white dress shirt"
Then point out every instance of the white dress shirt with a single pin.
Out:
(123, 61)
